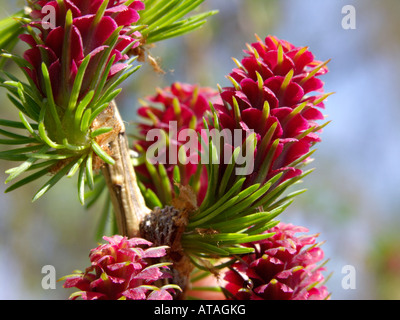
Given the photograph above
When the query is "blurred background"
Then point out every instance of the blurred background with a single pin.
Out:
(352, 199)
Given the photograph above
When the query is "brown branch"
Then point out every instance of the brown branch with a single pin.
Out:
(128, 203)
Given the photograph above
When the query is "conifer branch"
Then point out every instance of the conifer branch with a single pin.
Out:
(127, 200)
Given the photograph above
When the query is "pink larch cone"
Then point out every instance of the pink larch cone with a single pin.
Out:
(122, 269)
(283, 267)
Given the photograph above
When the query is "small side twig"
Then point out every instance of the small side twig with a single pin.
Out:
(128, 202)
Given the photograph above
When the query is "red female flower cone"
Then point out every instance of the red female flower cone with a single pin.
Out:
(172, 110)
(91, 29)
(121, 269)
(271, 94)
(74, 65)
(283, 267)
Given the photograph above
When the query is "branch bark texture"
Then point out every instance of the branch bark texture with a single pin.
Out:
(128, 202)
